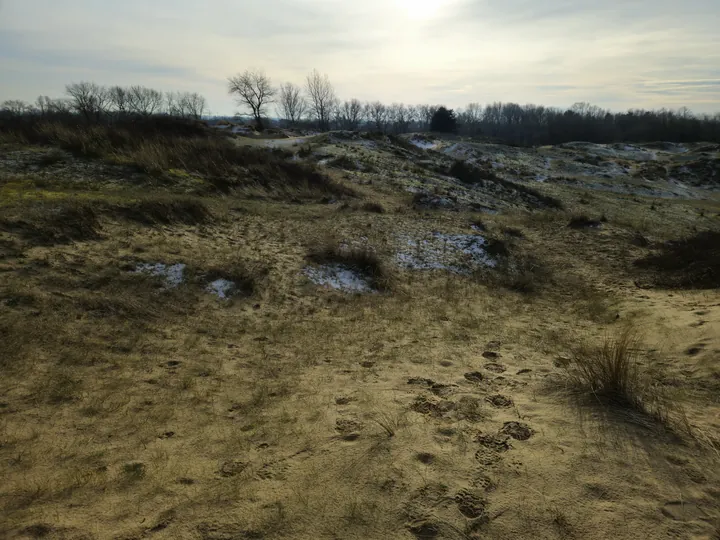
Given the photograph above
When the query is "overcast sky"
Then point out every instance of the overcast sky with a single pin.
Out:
(613, 53)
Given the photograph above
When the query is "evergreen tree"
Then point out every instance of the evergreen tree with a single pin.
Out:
(444, 121)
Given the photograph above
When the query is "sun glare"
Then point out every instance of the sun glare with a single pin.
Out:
(420, 9)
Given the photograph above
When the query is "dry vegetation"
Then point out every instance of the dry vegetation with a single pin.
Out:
(132, 407)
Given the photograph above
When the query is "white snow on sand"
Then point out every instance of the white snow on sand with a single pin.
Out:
(173, 274)
(422, 143)
(338, 277)
(458, 253)
(222, 288)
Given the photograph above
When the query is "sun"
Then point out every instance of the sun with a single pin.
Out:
(420, 9)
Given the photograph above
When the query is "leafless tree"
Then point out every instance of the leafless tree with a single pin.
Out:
(398, 117)
(413, 114)
(351, 114)
(253, 90)
(377, 114)
(426, 112)
(144, 101)
(292, 105)
(185, 104)
(14, 107)
(119, 98)
(60, 106)
(196, 105)
(88, 99)
(43, 104)
(471, 117)
(321, 96)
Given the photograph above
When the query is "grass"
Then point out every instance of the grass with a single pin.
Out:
(361, 259)
(483, 175)
(689, 263)
(613, 375)
(132, 409)
(158, 149)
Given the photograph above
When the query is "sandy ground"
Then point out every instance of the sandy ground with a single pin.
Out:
(134, 409)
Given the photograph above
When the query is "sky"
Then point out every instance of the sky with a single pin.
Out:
(617, 54)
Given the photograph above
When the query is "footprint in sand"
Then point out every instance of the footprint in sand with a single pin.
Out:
(499, 401)
(495, 368)
(470, 505)
(517, 430)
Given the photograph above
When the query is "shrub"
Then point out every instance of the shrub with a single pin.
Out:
(582, 221)
(373, 207)
(690, 263)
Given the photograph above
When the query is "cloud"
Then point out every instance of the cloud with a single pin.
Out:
(617, 53)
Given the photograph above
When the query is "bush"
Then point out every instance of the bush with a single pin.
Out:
(373, 207)
(690, 263)
(582, 222)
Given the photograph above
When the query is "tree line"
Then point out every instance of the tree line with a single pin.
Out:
(315, 105)
(95, 103)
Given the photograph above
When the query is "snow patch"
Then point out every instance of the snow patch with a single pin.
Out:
(458, 253)
(338, 277)
(423, 143)
(222, 288)
(173, 274)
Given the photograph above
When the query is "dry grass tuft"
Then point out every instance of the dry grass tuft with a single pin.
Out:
(165, 211)
(373, 207)
(53, 224)
(361, 259)
(612, 375)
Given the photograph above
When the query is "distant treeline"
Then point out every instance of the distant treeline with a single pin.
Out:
(94, 103)
(315, 106)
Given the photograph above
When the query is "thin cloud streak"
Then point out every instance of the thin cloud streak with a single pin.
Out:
(619, 53)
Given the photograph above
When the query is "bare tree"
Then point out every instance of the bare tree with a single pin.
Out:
(144, 101)
(413, 114)
(471, 117)
(185, 104)
(253, 90)
(351, 114)
(88, 99)
(119, 98)
(426, 112)
(321, 96)
(43, 104)
(397, 115)
(377, 113)
(292, 105)
(196, 105)
(15, 107)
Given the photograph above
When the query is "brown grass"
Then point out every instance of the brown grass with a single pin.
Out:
(613, 375)
(156, 150)
(689, 263)
(362, 259)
